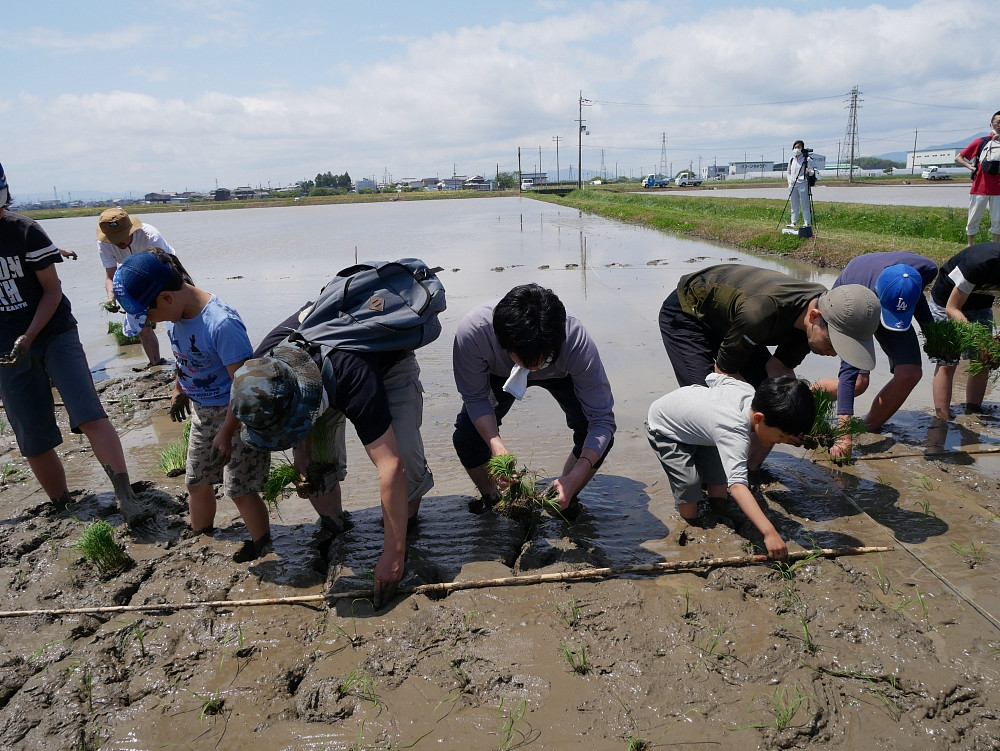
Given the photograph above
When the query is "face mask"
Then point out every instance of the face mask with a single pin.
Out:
(796, 152)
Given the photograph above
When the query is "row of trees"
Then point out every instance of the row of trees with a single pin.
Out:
(327, 180)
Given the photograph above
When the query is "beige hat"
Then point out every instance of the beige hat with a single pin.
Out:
(116, 226)
(852, 313)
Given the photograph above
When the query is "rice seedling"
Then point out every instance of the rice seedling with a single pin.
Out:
(949, 340)
(278, 484)
(99, 547)
(784, 705)
(923, 482)
(576, 656)
(109, 306)
(126, 404)
(827, 428)
(975, 554)
(11, 473)
(710, 649)
(135, 631)
(883, 580)
(787, 570)
(359, 683)
(510, 722)
(519, 498)
(115, 329)
(807, 641)
(570, 613)
(210, 705)
(172, 460)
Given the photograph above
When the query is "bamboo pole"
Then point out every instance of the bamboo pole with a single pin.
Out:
(506, 581)
(971, 451)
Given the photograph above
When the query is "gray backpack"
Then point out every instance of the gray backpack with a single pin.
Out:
(376, 306)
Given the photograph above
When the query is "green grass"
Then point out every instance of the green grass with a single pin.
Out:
(278, 482)
(99, 547)
(844, 230)
(115, 329)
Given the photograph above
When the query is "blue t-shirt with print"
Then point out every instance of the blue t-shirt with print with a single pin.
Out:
(203, 346)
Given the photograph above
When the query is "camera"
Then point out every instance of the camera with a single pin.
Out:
(807, 151)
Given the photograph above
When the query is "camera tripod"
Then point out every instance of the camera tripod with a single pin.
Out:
(806, 229)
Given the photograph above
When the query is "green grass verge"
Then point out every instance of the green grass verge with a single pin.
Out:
(844, 230)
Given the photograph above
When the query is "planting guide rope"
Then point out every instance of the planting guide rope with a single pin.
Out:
(508, 581)
(940, 577)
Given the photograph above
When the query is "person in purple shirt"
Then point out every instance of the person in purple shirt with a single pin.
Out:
(899, 279)
(528, 339)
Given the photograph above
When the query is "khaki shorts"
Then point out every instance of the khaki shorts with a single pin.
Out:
(247, 469)
(406, 405)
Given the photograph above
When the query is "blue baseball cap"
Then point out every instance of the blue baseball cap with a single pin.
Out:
(139, 279)
(898, 288)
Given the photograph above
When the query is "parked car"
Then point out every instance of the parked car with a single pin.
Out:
(686, 179)
(655, 181)
(935, 173)
(527, 183)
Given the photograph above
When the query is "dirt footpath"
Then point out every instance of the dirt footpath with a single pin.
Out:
(898, 650)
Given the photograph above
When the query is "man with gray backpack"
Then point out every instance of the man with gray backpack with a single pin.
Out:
(349, 356)
(982, 156)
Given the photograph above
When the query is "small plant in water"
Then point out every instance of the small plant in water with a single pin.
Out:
(784, 705)
(973, 553)
(510, 722)
(576, 656)
(12, 473)
(126, 404)
(827, 429)
(99, 547)
(172, 461)
(570, 612)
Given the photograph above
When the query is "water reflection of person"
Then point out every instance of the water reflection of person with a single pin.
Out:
(528, 339)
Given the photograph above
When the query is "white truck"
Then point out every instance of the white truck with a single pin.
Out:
(687, 180)
(527, 183)
(935, 173)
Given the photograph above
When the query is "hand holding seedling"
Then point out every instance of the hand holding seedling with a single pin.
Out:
(388, 572)
(16, 354)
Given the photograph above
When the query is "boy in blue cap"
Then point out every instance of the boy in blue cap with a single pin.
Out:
(41, 348)
(898, 278)
(210, 344)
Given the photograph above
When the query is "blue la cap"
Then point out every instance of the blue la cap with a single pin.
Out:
(898, 288)
(139, 279)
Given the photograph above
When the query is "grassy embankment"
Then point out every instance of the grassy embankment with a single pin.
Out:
(844, 230)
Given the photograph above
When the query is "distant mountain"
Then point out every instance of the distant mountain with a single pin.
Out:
(900, 156)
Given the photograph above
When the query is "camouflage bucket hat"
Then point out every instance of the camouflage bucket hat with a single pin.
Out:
(277, 399)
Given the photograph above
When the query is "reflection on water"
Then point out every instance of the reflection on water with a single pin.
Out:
(614, 277)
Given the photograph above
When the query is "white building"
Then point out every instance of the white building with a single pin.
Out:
(940, 157)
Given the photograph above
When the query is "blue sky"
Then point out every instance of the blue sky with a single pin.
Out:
(118, 97)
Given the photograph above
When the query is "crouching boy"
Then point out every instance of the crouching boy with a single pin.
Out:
(701, 434)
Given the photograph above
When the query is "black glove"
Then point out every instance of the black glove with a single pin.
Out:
(180, 407)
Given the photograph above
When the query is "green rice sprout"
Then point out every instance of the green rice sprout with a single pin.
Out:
(827, 428)
(115, 329)
(276, 486)
(172, 461)
(99, 547)
(520, 497)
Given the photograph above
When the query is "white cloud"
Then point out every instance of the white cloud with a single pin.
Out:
(714, 83)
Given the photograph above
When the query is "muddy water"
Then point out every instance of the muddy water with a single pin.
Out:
(892, 650)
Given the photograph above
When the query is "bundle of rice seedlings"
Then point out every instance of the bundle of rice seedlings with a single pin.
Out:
(520, 497)
(99, 547)
(949, 340)
(827, 428)
(278, 482)
(115, 329)
(172, 461)
(110, 306)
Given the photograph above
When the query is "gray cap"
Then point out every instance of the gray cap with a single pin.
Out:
(852, 313)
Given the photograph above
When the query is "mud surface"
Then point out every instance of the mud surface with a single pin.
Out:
(898, 650)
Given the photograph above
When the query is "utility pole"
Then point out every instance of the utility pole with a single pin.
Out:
(557, 139)
(604, 171)
(851, 135)
(540, 159)
(913, 164)
(520, 175)
(579, 142)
